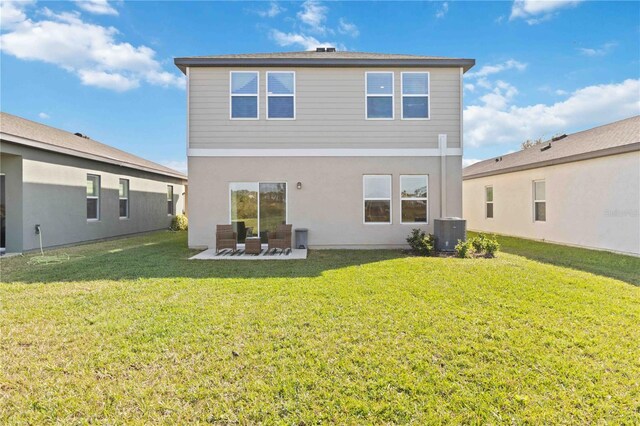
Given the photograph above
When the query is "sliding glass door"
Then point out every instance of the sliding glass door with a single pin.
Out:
(257, 208)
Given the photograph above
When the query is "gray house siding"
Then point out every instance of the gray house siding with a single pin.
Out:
(51, 192)
(330, 112)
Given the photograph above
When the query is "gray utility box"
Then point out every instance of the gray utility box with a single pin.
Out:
(448, 231)
(301, 238)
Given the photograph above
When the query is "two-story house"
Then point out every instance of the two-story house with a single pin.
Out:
(359, 148)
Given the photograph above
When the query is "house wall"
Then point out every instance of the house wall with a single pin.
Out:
(593, 203)
(330, 112)
(11, 167)
(54, 196)
(330, 203)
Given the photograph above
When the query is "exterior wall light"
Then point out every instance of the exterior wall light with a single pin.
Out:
(299, 185)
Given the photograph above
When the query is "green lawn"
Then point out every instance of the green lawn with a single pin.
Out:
(129, 331)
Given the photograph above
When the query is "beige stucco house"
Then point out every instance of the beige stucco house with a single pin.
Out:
(76, 189)
(580, 189)
(358, 148)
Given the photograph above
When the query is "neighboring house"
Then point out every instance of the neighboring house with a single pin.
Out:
(77, 189)
(582, 189)
(359, 148)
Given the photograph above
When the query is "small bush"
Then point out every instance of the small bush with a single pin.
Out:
(482, 245)
(464, 249)
(179, 223)
(421, 243)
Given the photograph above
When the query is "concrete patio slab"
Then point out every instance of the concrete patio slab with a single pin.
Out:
(210, 254)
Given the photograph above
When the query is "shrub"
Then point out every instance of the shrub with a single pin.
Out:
(421, 243)
(464, 249)
(482, 245)
(491, 246)
(179, 223)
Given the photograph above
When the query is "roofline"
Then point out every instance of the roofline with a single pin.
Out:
(622, 149)
(183, 63)
(75, 153)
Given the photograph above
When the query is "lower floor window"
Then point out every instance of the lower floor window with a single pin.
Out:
(170, 204)
(377, 198)
(539, 201)
(123, 194)
(93, 197)
(413, 198)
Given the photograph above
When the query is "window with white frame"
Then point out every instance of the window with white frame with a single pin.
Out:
(379, 94)
(244, 95)
(123, 195)
(539, 201)
(93, 197)
(170, 204)
(377, 198)
(415, 95)
(413, 198)
(488, 196)
(281, 95)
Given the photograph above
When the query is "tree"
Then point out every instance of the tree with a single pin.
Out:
(531, 143)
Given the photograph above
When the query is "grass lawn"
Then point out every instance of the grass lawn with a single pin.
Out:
(129, 331)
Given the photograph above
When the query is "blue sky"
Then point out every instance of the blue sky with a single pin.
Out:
(106, 68)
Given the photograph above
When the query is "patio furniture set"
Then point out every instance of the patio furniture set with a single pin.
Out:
(278, 242)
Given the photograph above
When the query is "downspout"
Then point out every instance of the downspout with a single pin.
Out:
(442, 146)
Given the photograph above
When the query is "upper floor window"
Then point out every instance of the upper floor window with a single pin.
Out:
(415, 95)
(244, 95)
(123, 195)
(170, 206)
(539, 201)
(377, 198)
(379, 94)
(488, 195)
(93, 197)
(413, 198)
(281, 95)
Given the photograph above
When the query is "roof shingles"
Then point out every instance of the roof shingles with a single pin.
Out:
(620, 136)
(76, 145)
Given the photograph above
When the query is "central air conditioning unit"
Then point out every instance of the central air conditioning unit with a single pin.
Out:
(448, 230)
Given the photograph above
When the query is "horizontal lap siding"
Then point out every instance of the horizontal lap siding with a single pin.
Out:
(330, 112)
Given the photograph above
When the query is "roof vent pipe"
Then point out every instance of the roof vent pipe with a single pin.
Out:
(557, 138)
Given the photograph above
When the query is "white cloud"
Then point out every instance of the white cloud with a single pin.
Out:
(44, 115)
(180, 166)
(470, 87)
(496, 121)
(314, 16)
(443, 10)
(537, 11)
(88, 50)
(600, 51)
(561, 92)
(497, 68)
(345, 27)
(274, 10)
(304, 41)
(466, 162)
(13, 13)
(98, 7)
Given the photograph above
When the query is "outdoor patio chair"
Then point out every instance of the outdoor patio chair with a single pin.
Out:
(281, 238)
(226, 238)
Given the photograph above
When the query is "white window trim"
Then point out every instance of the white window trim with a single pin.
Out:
(257, 95)
(427, 95)
(286, 199)
(365, 199)
(414, 199)
(173, 203)
(95, 197)
(280, 95)
(392, 95)
(487, 202)
(123, 198)
(535, 200)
